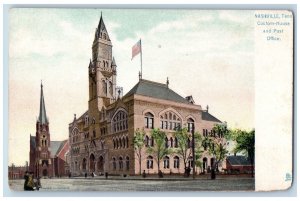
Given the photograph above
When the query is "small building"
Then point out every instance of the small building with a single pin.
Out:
(238, 164)
(16, 172)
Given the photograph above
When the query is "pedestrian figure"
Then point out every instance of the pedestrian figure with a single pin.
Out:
(106, 175)
(144, 174)
(29, 184)
(70, 175)
(26, 177)
(188, 171)
(92, 174)
(85, 175)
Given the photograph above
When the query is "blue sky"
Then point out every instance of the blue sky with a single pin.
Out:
(207, 54)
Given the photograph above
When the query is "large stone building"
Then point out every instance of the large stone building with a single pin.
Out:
(101, 139)
(47, 158)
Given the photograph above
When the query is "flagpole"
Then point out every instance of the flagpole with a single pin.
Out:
(141, 59)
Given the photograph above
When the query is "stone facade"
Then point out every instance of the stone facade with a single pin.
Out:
(101, 139)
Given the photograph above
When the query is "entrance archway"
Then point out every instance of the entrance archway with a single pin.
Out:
(45, 172)
(92, 163)
(100, 164)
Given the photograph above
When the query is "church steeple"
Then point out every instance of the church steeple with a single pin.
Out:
(42, 116)
(101, 31)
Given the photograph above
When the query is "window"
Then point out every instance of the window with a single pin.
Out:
(149, 119)
(176, 142)
(147, 141)
(166, 142)
(204, 132)
(127, 163)
(127, 145)
(190, 124)
(120, 121)
(176, 162)
(114, 164)
(170, 121)
(149, 162)
(84, 164)
(190, 162)
(120, 163)
(166, 162)
(171, 142)
(86, 120)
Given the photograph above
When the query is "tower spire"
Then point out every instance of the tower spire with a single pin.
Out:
(42, 116)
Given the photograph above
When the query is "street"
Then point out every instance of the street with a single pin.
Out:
(138, 184)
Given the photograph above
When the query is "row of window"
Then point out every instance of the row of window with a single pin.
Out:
(120, 163)
(120, 121)
(121, 142)
(166, 162)
(212, 133)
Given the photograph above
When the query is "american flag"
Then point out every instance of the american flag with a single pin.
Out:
(136, 49)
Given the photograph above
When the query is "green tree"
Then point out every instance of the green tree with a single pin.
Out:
(184, 149)
(138, 143)
(245, 143)
(159, 150)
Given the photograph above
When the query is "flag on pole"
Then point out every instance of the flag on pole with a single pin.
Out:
(136, 49)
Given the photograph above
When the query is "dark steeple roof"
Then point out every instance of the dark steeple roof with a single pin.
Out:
(101, 28)
(208, 117)
(42, 116)
(156, 90)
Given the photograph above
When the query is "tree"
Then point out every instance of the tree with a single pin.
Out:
(138, 143)
(183, 148)
(159, 150)
(217, 146)
(245, 142)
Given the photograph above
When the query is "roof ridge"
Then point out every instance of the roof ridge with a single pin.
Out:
(149, 81)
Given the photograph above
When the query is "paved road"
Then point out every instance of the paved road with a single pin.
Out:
(82, 184)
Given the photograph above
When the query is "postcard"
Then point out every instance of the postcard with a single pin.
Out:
(150, 100)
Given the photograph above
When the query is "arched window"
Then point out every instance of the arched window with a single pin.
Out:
(114, 143)
(100, 164)
(123, 140)
(149, 120)
(120, 143)
(152, 142)
(120, 121)
(171, 142)
(147, 141)
(190, 124)
(114, 163)
(176, 162)
(127, 142)
(84, 164)
(166, 162)
(120, 163)
(188, 143)
(127, 163)
(170, 121)
(176, 142)
(149, 162)
(166, 142)
(117, 144)
(190, 162)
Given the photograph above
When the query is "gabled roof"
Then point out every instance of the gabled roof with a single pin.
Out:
(54, 146)
(238, 160)
(156, 90)
(208, 117)
(62, 144)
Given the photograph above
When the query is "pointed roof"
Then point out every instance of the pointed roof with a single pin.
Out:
(42, 116)
(101, 28)
(208, 117)
(113, 63)
(156, 90)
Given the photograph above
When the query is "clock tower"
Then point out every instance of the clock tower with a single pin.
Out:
(102, 70)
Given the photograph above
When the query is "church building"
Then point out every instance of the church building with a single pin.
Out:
(101, 139)
(47, 158)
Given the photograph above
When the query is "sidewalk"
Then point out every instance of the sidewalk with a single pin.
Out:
(165, 178)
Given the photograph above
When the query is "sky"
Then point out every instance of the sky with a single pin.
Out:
(207, 54)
